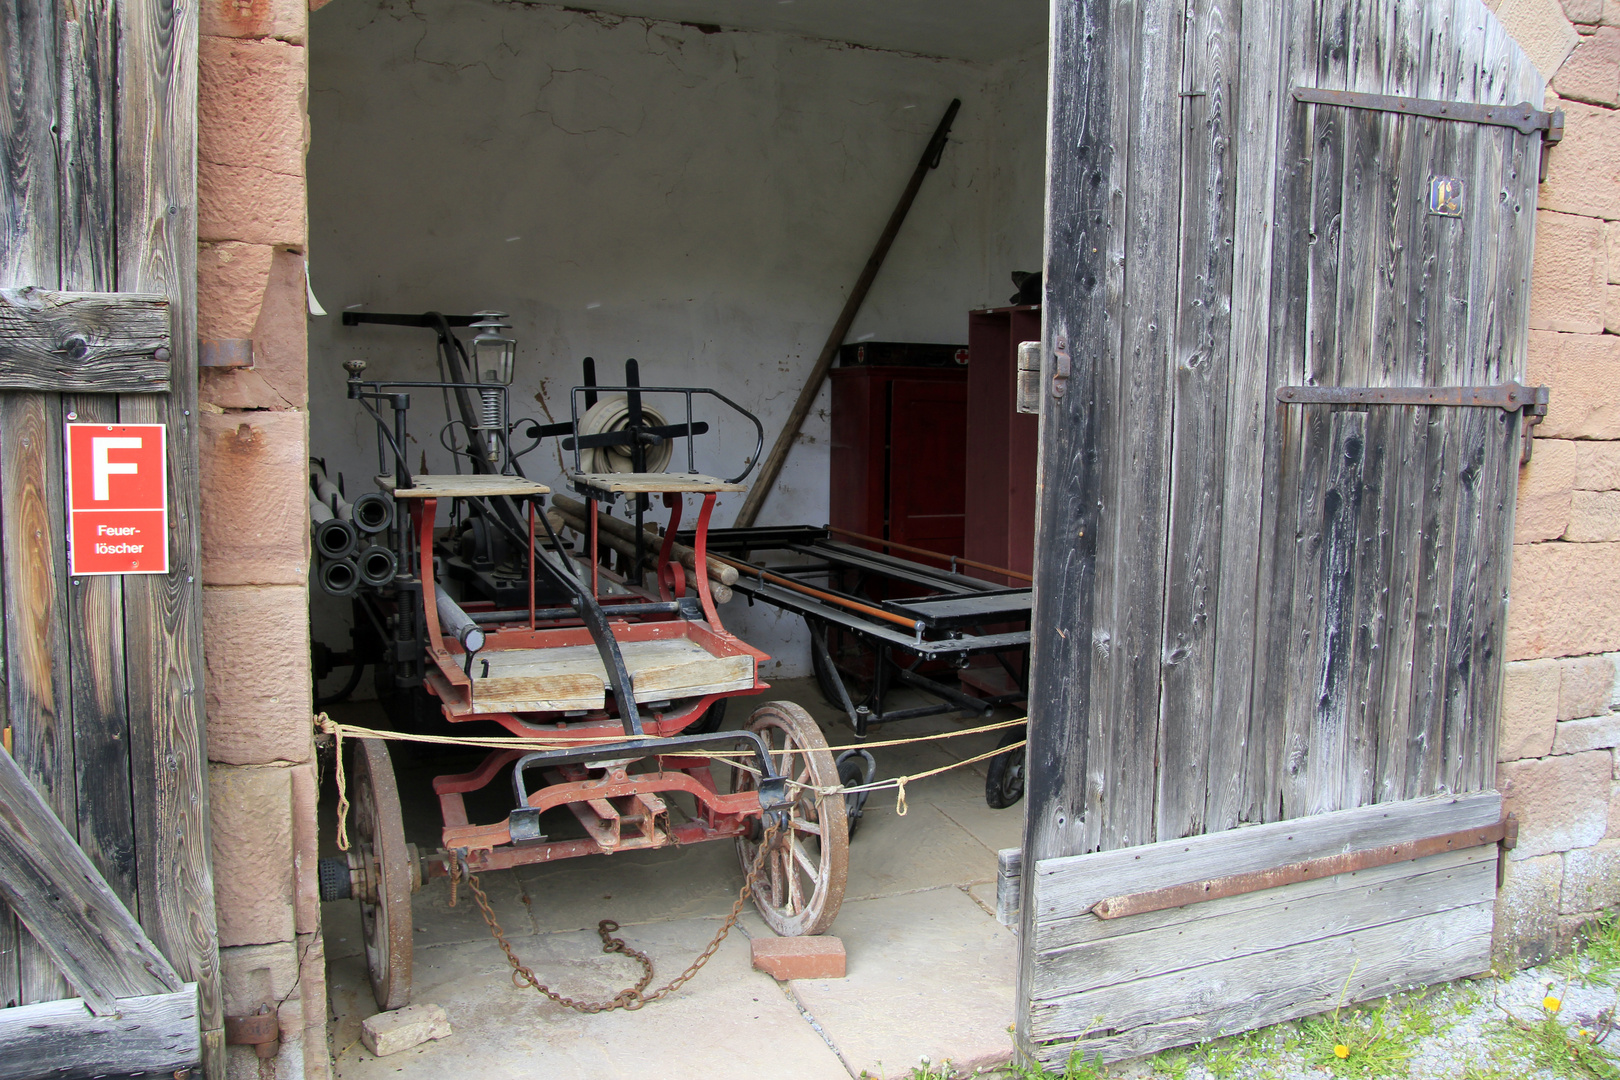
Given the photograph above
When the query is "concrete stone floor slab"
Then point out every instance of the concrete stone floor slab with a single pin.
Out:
(930, 976)
(930, 970)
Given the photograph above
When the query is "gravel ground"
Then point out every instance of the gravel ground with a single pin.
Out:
(1470, 1019)
(1475, 1029)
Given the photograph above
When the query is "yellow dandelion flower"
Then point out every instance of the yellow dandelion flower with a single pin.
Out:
(1341, 1050)
(1551, 1004)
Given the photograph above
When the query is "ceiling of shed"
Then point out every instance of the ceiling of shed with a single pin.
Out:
(965, 29)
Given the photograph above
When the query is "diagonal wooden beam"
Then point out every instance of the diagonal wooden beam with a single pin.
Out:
(68, 907)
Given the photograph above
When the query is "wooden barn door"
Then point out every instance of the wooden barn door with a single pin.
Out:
(1280, 445)
(102, 691)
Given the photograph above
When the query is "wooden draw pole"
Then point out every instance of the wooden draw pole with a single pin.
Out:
(772, 466)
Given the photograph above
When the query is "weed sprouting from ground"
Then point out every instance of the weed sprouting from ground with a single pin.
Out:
(1571, 1048)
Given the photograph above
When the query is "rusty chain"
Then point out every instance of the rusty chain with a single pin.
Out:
(631, 997)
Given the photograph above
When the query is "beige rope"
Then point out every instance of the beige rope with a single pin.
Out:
(327, 725)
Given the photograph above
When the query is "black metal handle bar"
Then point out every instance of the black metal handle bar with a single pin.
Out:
(772, 788)
(425, 321)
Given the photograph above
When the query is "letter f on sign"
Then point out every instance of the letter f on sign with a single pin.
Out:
(101, 468)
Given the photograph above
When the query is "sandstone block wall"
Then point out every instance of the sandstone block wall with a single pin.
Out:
(252, 134)
(1559, 754)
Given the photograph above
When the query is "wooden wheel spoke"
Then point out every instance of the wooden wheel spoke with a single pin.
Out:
(795, 888)
(775, 861)
(813, 870)
(806, 825)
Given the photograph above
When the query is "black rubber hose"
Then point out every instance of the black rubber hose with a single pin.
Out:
(339, 577)
(336, 538)
(373, 512)
(377, 566)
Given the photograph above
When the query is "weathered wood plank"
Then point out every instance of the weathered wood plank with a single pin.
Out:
(1380, 62)
(1237, 926)
(106, 343)
(31, 482)
(1135, 593)
(1507, 183)
(65, 1040)
(1248, 405)
(35, 563)
(1091, 42)
(1328, 742)
(1391, 181)
(1265, 988)
(1403, 342)
(105, 813)
(1009, 883)
(1086, 185)
(157, 247)
(1290, 268)
(1201, 373)
(1067, 886)
(1304, 626)
(29, 240)
(67, 905)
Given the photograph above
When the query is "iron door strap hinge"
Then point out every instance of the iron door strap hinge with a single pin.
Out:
(1510, 396)
(1504, 833)
(1523, 117)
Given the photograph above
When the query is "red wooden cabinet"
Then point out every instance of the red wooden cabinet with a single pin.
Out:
(1003, 443)
(899, 454)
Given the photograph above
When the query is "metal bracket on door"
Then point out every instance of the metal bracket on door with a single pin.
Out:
(1531, 401)
(1523, 117)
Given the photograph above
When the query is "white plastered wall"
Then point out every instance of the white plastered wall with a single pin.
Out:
(699, 200)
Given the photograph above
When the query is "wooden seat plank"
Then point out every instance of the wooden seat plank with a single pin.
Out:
(573, 677)
(463, 486)
(652, 483)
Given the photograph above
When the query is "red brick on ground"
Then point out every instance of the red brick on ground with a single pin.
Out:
(784, 958)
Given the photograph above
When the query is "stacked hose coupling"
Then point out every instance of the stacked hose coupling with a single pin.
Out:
(346, 535)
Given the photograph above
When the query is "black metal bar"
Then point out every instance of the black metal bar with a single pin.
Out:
(423, 321)
(1509, 396)
(758, 538)
(909, 714)
(965, 702)
(818, 642)
(1523, 117)
(772, 788)
(910, 572)
(660, 607)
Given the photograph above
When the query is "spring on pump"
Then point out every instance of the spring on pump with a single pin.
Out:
(489, 413)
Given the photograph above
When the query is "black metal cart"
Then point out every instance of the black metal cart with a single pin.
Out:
(866, 643)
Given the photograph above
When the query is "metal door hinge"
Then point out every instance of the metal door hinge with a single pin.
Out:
(260, 1030)
(1531, 401)
(1060, 367)
(225, 352)
(1523, 117)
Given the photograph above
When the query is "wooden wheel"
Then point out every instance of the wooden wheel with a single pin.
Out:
(802, 884)
(382, 870)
